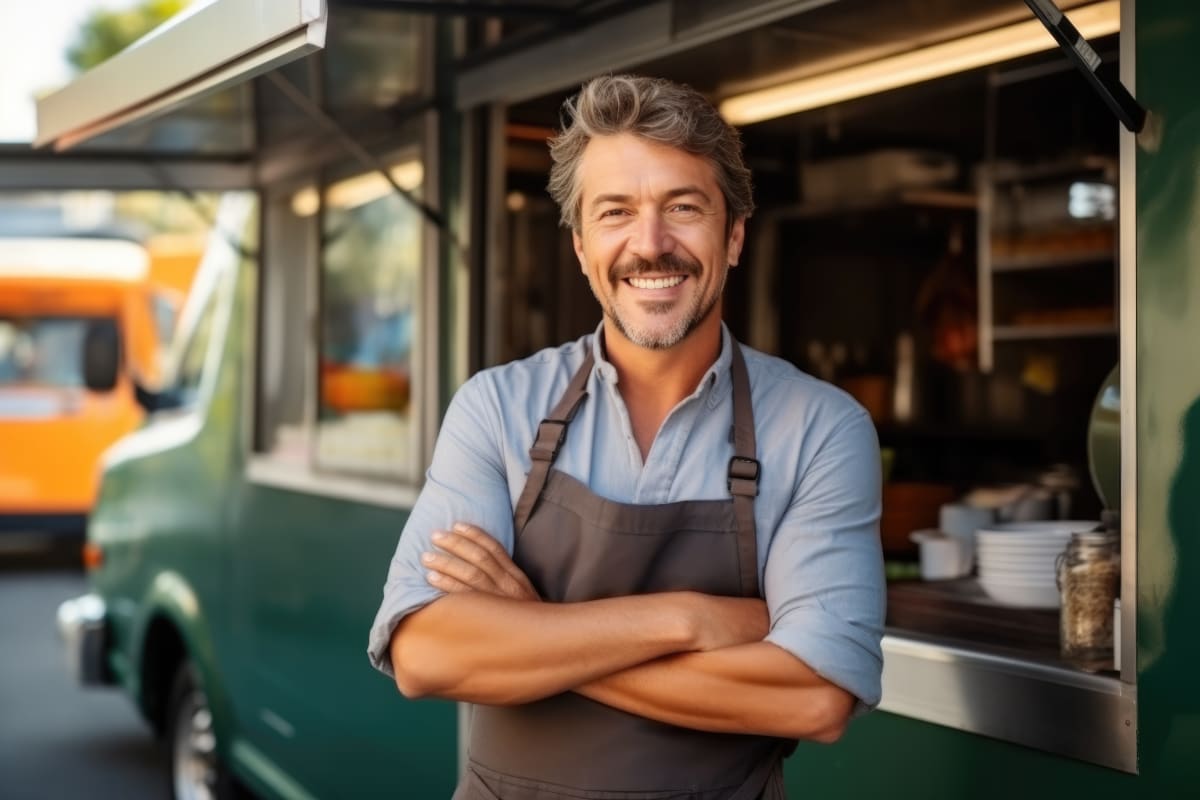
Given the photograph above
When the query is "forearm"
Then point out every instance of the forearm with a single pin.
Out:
(489, 649)
(753, 688)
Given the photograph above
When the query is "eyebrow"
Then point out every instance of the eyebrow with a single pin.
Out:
(671, 195)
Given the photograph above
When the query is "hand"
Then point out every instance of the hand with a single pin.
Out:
(730, 621)
(468, 559)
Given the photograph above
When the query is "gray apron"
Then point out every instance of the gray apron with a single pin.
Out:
(575, 545)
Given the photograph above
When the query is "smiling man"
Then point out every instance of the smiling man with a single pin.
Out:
(649, 557)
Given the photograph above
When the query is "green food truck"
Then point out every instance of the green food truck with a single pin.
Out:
(951, 224)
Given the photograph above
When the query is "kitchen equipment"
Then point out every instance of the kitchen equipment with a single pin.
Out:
(849, 179)
(1062, 483)
(1104, 441)
(1017, 503)
(961, 521)
(1089, 576)
(942, 557)
(904, 388)
(1017, 560)
(1021, 594)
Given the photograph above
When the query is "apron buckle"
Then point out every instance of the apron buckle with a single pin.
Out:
(550, 437)
(743, 476)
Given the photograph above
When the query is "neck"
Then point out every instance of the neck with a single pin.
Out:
(652, 382)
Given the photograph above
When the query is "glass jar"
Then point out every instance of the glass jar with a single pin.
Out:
(1089, 578)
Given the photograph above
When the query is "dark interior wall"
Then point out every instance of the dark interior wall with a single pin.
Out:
(852, 278)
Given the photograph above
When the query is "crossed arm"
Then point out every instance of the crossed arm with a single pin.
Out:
(684, 658)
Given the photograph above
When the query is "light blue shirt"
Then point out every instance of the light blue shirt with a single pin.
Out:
(817, 512)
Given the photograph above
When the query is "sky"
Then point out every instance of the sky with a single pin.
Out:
(32, 59)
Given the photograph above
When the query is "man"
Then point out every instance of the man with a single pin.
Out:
(584, 563)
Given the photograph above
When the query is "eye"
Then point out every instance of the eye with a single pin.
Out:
(686, 208)
(611, 212)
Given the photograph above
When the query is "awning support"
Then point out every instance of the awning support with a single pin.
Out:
(363, 156)
(1131, 113)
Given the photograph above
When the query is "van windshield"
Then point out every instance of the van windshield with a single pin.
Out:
(42, 351)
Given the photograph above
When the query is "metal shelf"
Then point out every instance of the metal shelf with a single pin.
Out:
(991, 178)
(1015, 173)
(1016, 333)
(912, 198)
(1052, 261)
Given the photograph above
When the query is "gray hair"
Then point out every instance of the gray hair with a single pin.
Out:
(659, 111)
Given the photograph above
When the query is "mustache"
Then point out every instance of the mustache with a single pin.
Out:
(667, 262)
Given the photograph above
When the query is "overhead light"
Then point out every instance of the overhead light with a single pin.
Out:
(915, 66)
(358, 190)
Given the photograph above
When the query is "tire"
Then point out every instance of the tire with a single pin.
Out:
(194, 764)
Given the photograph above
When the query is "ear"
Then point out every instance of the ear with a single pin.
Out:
(737, 237)
(577, 242)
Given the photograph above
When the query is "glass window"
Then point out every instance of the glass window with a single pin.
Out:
(280, 119)
(190, 374)
(374, 59)
(42, 351)
(369, 283)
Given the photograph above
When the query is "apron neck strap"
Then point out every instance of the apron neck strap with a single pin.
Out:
(743, 473)
(552, 432)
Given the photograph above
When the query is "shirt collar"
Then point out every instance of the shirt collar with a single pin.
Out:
(719, 377)
(715, 381)
(603, 368)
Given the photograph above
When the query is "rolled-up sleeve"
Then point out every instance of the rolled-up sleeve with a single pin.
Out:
(465, 483)
(823, 577)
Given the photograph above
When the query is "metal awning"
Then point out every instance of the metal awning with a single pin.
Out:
(208, 47)
(637, 33)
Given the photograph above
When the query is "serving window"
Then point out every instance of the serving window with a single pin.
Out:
(340, 391)
(947, 252)
(340, 323)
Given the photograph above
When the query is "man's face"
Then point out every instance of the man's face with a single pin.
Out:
(652, 239)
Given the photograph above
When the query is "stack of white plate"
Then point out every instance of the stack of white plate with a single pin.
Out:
(1017, 560)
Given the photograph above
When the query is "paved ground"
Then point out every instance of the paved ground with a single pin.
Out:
(58, 740)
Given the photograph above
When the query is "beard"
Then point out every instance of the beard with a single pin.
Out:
(697, 310)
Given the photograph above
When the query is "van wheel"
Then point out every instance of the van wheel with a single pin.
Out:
(195, 767)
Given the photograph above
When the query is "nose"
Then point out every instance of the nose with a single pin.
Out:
(651, 237)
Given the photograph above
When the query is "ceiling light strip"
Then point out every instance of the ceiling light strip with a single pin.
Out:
(915, 66)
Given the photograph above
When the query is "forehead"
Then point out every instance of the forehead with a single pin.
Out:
(628, 164)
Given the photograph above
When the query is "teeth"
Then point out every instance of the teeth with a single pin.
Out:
(656, 283)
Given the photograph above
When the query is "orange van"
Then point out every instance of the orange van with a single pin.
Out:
(59, 297)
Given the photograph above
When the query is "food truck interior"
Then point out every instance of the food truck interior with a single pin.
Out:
(944, 251)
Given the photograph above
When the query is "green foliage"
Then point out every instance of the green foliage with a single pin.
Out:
(105, 32)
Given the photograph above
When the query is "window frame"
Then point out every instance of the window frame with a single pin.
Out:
(264, 468)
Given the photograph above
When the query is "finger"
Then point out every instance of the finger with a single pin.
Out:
(460, 570)
(447, 584)
(483, 539)
(459, 575)
(510, 582)
(476, 547)
(467, 550)
(497, 551)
